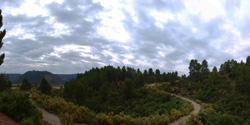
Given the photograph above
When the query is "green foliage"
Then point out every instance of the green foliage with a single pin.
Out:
(128, 88)
(26, 85)
(35, 77)
(27, 121)
(226, 119)
(228, 90)
(5, 83)
(194, 120)
(2, 34)
(17, 105)
(44, 86)
(154, 109)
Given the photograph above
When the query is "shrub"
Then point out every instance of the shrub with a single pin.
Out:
(175, 114)
(226, 120)
(122, 119)
(17, 105)
(103, 119)
(194, 120)
(27, 121)
(162, 119)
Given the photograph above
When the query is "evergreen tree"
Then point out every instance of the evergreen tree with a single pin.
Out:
(150, 72)
(248, 61)
(215, 71)
(124, 72)
(222, 68)
(195, 70)
(128, 90)
(2, 34)
(145, 73)
(5, 83)
(204, 67)
(26, 85)
(157, 75)
(44, 86)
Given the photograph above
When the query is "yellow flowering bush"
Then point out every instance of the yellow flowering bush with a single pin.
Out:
(194, 120)
(175, 114)
(104, 119)
(162, 119)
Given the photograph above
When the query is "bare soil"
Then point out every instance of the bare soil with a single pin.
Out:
(5, 120)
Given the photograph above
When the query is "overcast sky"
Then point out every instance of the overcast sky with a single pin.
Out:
(71, 36)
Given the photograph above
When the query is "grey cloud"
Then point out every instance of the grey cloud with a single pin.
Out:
(175, 39)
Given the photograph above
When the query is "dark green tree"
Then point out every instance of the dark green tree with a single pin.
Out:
(157, 75)
(204, 68)
(2, 34)
(5, 83)
(44, 86)
(215, 71)
(194, 68)
(26, 85)
(150, 72)
(248, 61)
(128, 89)
(222, 68)
(124, 73)
(145, 73)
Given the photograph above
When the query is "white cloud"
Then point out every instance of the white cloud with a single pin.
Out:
(73, 48)
(207, 9)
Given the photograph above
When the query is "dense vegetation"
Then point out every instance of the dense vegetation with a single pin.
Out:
(34, 77)
(117, 90)
(17, 105)
(70, 113)
(228, 90)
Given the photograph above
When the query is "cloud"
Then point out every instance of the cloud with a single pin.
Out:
(73, 36)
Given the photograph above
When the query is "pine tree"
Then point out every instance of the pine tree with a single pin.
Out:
(26, 85)
(44, 86)
(2, 34)
(248, 61)
(204, 67)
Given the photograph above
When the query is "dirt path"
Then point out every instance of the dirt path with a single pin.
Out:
(195, 111)
(50, 118)
(183, 119)
(5, 120)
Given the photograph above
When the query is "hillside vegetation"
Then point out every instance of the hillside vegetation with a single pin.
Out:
(227, 90)
(34, 77)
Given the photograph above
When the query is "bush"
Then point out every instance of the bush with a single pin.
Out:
(67, 111)
(226, 120)
(175, 114)
(194, 120)
(17, 105)
(5, 83)
(104, 119)
(159, 119)
(27, 121)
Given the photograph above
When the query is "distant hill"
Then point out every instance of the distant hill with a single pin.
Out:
(35, 76)
(13, 76)
(67, 77)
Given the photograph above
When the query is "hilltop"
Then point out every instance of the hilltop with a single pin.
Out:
(35, 76)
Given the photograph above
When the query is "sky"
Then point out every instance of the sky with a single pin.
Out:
(72, 36)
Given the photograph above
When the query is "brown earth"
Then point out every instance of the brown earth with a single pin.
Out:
(5, 120)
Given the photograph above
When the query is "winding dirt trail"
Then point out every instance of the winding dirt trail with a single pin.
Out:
(195, 111)
(50, 118)
(183, 119)
(54, 119)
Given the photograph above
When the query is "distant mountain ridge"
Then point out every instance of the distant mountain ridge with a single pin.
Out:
(35, 76)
